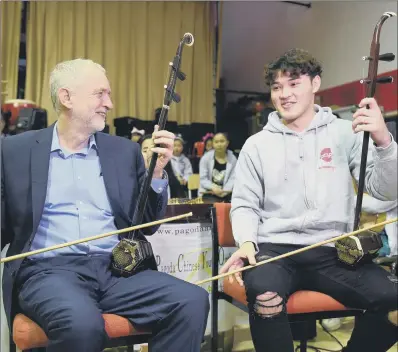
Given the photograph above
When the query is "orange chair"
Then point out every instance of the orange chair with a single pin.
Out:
(303, 306)
(28, 335)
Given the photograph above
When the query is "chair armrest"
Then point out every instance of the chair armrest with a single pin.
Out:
(224, 227)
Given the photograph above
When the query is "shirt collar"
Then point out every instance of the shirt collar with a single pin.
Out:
(55, 146)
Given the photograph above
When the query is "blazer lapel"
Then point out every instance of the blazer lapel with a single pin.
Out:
(39, 165)
(109, 170)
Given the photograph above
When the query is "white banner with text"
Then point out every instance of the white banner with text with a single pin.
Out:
(185, 251)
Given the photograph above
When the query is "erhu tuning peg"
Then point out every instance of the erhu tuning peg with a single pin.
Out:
(181, 75)
(387, 57)
(176, 97)
(382, 80)
(384, 57)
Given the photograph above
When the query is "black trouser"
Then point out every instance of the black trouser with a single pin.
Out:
(367, 287)
(66, 296)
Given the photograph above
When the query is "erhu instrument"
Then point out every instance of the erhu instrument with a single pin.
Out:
(357, 250)
(134, 253)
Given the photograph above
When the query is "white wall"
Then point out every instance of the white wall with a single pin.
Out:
(337, 33)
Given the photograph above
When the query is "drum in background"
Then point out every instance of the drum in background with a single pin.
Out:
(13, 106)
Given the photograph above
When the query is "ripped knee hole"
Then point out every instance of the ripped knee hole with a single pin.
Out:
(268, 305)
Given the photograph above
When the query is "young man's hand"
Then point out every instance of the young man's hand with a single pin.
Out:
(371, 120)
(246, 251)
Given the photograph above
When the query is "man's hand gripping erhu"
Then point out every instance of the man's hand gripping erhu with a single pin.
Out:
(132, 254)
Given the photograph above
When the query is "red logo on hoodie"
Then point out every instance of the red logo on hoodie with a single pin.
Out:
(326, 155)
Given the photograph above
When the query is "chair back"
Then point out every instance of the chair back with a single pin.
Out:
(193, 182)
(223, 223)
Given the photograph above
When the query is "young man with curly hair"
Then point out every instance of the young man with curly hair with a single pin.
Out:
(293, 188)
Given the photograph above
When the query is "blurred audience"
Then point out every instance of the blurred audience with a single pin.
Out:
(217, 169)
(388, 234)
(175, 190)
(208, 141)
(180, 164)
(137, 134)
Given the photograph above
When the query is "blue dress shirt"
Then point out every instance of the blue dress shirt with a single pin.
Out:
(77, 205)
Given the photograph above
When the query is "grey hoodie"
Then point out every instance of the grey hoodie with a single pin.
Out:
(297, 187)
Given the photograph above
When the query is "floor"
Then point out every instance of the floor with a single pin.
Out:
(242, 339)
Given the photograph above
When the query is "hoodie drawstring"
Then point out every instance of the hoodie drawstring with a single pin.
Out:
(285, 149)
(316, 147)
(317, 156)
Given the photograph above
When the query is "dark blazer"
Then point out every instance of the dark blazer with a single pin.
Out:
(24, 172)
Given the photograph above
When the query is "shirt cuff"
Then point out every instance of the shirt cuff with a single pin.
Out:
(159, 184)
(239, 244)
(388, 152)
(383, 148)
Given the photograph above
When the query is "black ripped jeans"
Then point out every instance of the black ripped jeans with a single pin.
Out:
(318, 269)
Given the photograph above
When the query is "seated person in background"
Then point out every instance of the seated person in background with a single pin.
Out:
(293, 188)
(208, 141)
(373, 206)
(180, 164)
(137, 134)
(389, 233)
(217, 169)
(70, 181)
(174, 189)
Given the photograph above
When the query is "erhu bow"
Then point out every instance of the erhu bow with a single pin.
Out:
(132, 254)
(92, 238)
(356, 250)
(297, 251)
